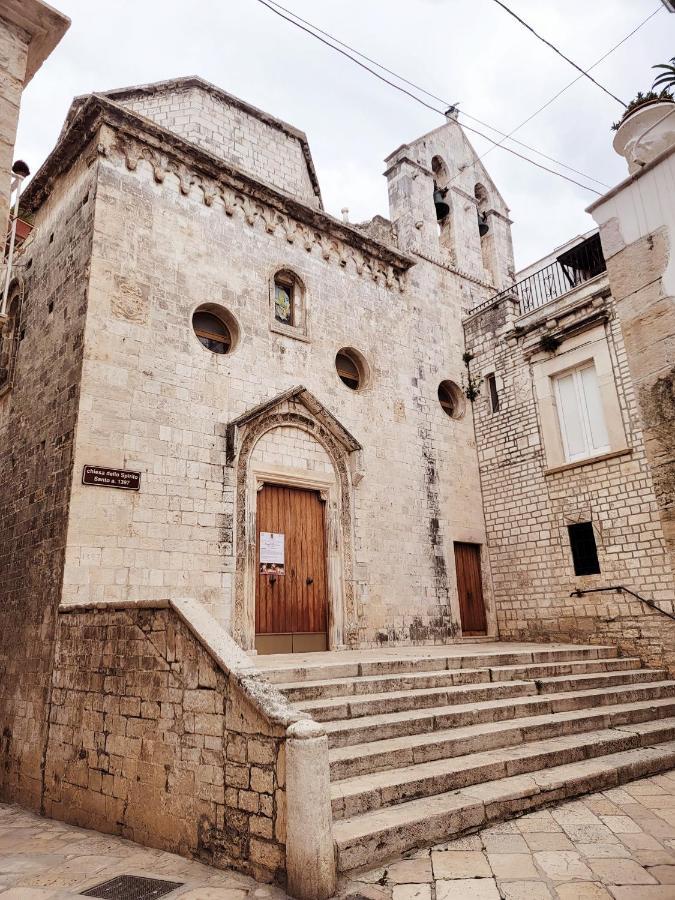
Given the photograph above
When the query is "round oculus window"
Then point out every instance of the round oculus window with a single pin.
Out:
(451, 399)
(351, 368)
(212, 331)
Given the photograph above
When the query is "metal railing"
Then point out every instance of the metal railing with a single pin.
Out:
(622, 589)
(572, 268)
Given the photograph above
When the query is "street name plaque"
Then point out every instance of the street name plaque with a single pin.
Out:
(114, 478)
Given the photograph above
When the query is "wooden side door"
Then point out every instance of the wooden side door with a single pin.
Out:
(470, 589)
(291, 606)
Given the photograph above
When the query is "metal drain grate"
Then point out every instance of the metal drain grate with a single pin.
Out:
(132, 887)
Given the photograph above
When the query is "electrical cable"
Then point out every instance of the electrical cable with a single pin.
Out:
(422, 90)
(559, 52)
(423, 102)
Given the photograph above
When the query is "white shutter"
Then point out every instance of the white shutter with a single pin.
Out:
(581, 416)
(571, 421)
(597, 430)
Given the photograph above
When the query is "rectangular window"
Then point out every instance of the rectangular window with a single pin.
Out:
(580, 413)
(584, 549)
(493, 393)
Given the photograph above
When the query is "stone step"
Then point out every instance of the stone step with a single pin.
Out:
(379, 727)
(398, 701)
(380, 835)
(376, 756)
(367, 684)
(565, 683)
(321, 670)
(364, 793)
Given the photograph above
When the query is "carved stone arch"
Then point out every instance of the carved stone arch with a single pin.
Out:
(10, 331)
(299, 409)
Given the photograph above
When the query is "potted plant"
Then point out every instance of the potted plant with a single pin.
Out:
(647, 126)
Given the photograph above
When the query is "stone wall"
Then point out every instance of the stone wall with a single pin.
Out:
(637, 229)
(38, 415)
(151, 738)
(234, 131)
(528, 504)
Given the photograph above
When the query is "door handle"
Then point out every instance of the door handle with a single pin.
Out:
(273, 579)
(310, 581)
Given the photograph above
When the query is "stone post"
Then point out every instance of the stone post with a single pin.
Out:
(310, 854)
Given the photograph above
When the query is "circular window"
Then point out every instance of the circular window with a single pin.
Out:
(352, 368)
(451, 399)
(215, 328)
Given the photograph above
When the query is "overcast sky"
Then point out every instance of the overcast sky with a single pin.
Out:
(463, 50)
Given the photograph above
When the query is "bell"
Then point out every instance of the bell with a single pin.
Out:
(442, 208)
(483, 226)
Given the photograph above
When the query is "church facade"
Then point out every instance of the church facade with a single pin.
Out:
(232, 424)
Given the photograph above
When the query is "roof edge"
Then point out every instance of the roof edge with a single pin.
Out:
(196, 81)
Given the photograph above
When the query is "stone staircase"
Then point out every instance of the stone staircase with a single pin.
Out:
(425, 748)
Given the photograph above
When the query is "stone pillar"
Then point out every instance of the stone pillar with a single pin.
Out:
(310, 853)
(13, 56)
(29, 31)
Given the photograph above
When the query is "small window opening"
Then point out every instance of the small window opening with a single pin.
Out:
(584, 549)
(493, 393)
(348, 370)
(451, 399)
(212, 332)
(284, 301)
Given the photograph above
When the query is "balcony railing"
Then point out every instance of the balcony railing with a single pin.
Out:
(570, 270)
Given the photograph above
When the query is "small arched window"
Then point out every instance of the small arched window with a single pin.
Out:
(288, 304)
(215, 328)
(442, 203)
(9, 340)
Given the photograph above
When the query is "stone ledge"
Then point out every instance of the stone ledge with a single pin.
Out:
(626, 451)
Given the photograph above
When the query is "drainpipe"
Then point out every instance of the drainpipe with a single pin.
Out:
(20, 170)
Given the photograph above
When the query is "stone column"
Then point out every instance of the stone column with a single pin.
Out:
(310, 853)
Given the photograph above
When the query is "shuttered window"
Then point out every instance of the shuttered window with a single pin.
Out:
(580, 414)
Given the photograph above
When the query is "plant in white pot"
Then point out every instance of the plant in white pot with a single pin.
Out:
(647, 126)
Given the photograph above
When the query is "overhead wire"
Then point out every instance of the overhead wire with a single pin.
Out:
(403, 90)
(553, 47)
(433, 96)
(574, 80)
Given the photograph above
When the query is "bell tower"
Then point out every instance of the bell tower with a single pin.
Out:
(443, 204)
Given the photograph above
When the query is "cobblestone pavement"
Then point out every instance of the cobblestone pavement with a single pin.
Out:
(616, 845)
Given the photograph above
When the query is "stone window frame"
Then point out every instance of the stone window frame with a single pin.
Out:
(228, 318)
(299, 329)
(588, 347)
(10, 332)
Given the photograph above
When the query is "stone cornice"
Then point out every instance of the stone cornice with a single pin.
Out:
(118, 132)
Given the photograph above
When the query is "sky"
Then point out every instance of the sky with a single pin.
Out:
(466, 51)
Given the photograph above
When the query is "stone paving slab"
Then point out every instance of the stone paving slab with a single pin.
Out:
(614, 845)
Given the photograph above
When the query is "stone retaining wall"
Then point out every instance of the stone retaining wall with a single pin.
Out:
(152, 737)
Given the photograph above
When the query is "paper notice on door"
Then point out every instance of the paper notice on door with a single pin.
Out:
(272, 559)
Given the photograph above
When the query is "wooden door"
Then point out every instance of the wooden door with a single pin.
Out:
(470, 589)
(291, 605)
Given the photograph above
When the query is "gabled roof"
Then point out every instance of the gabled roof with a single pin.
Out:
(300, 394)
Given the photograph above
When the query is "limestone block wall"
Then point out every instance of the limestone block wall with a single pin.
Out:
(154, 400)
(38, 414)
(236, 132)
(151, 738)
(528, 508)
(13, 58)
(637, 230)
